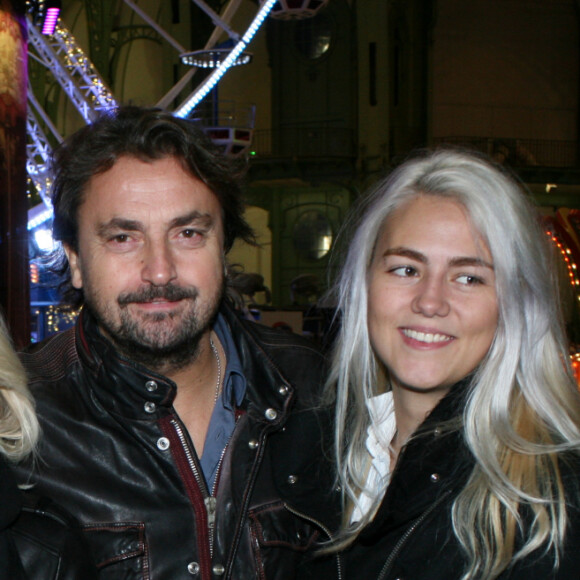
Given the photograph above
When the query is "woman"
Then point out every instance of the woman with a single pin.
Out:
(38, 540)
(458, 420)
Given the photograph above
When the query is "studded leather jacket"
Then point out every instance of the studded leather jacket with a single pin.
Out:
(115, 454)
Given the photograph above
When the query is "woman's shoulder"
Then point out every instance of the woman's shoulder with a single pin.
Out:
(50, 543)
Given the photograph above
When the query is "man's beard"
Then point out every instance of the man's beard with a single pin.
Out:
(151, 339)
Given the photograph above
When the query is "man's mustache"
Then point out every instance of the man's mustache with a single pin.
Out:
(170, 293)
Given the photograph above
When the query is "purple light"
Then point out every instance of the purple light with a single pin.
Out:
(50, 21)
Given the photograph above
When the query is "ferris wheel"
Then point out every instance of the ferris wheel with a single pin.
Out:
(85, 88)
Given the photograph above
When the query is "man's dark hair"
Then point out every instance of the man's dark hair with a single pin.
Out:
(147, 135)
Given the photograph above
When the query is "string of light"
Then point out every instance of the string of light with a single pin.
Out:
(186, 108)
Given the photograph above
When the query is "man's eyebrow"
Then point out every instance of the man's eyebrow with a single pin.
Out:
(193, 218)
(116, 224)
(419, 257)
(123, 224)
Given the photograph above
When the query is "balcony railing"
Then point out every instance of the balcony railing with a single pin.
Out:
(521, 152)
(225, 114)
(303, 142)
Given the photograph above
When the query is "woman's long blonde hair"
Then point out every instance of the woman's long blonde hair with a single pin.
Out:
(523, 407)
(18, 423)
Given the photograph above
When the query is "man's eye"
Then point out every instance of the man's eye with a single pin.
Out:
(120, 238)
(191, 234)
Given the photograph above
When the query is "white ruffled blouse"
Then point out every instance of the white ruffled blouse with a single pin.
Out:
(380, 433)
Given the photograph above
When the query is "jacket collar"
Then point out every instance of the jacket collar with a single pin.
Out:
(435, 462)
(128, 388)
(268, 391)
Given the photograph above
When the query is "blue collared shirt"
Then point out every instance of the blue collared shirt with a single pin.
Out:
(223, 419)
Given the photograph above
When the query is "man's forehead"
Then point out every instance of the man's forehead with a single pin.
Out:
(159, 183)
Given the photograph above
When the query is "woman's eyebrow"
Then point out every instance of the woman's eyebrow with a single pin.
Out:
(469, 261)
(406, 253)
(419, 257)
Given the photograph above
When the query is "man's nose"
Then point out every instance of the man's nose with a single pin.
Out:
(158, 264)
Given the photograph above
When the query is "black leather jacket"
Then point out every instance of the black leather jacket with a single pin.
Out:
(49, 543)
(116, 455)
(411, 536)
(38, 539)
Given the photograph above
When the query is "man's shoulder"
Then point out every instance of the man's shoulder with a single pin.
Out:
(277, 344)
(273, 357)
(280, 338)
(51, 359)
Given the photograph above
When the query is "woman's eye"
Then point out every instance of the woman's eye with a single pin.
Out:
(469, 279)
(403, 271)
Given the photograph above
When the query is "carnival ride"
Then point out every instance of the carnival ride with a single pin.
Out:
(56, 49)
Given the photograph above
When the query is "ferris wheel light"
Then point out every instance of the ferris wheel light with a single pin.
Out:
(229, 61)
(44, 240)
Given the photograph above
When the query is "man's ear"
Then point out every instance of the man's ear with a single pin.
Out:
(74, 262)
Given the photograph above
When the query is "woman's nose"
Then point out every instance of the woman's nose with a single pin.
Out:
(431, 298)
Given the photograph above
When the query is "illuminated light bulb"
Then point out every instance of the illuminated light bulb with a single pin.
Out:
(50, 21)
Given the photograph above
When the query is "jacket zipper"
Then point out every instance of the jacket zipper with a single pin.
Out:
(403, 539)
(209, 498)
(323, 528)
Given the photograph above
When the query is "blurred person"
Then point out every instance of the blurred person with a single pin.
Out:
(458, 417)
(38, 539)
(189, 443)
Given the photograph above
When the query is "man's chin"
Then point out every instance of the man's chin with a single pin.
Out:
(160, 353)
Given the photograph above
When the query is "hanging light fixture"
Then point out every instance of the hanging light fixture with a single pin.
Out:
(213, 57)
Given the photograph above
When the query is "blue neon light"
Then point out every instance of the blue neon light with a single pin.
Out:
(219, 72)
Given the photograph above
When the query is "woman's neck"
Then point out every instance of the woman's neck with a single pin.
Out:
(411, 408)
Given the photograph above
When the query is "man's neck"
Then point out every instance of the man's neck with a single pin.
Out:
(198, 386)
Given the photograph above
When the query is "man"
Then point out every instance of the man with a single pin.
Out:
(189, 443)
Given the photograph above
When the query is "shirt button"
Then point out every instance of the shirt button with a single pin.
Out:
(218, 569)
(163, 443)
(283, 390)
(193, 568)
(434, 477)
(292, 479)
(149, 407)
(271, 414)
(151, 386)
(253, 444)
